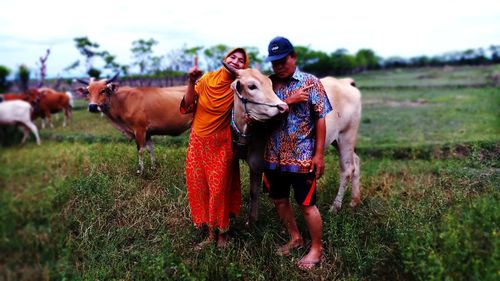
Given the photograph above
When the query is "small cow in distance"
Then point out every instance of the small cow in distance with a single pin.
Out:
(47, 101)
(18, 112)
(138, 113)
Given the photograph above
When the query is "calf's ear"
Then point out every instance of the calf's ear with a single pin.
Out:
(83, 91)
(112, 87)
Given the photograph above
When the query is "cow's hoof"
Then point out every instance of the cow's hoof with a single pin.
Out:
(335, 208)
(355, 202)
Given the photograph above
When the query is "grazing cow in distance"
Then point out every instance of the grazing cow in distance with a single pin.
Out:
(47, 101)
(10, 96)
(341, 130)
(139, 113)
(18, 112)
(25, 96)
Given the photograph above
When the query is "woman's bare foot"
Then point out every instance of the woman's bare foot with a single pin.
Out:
(210, 239)
(292, 244)
(222, 241)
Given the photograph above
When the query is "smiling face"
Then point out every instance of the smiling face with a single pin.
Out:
(236, 59)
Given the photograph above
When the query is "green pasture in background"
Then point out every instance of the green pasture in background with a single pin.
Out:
(74, 209)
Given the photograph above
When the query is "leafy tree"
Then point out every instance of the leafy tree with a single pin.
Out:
(253, 56)
(420, 61)
(156, 65)
(495, 53)
(88, 49)
(142, 51)
(4, 84)
(23, 76)
(180, 60)
(94, 72)
(214, 55)
(109, 62)
(72, 66)
(305, 56)
(366, 59)
(342, 62)
(395, 62)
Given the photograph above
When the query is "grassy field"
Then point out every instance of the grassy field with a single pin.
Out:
(74, 209)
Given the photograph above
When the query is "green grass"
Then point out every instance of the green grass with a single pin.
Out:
(448, 76)
(429, 116)
(74, 209)
(82, 216)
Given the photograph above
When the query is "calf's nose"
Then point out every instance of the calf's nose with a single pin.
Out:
(282, 108)
(93, 108)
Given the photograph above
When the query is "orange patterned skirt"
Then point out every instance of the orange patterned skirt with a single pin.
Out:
(212, 180)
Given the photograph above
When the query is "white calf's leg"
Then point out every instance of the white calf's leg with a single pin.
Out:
(346, 163)
(26, 132)
(356, 192)
(34, 130)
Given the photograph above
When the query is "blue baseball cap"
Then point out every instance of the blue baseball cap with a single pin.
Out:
(279, 48)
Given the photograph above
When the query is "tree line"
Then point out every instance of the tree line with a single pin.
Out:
(175, 63)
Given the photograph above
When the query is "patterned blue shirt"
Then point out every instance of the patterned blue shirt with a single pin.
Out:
(291, 147)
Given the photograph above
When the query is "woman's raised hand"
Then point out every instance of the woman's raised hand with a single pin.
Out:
(194, 73)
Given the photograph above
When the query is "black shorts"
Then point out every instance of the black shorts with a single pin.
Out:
(278, 185)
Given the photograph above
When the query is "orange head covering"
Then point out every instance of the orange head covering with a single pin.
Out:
(215, 99)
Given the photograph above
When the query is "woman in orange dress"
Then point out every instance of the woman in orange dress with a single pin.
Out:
(212, 170)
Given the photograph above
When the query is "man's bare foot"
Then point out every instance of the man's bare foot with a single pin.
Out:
(307, 264)
(292, 244)
(310, 260)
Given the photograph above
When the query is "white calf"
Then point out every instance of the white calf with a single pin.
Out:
(18, 112)
(341, 131)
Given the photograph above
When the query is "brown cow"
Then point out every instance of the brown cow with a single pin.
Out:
(25, 96)
(47, 101)
(139, 113)
(341, 130)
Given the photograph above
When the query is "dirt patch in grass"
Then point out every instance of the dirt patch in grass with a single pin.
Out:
(394, 103)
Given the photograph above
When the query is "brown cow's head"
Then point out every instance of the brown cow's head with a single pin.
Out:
(32, 96)
(98, 93)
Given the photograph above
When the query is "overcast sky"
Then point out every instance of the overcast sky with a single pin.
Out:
(388, 27)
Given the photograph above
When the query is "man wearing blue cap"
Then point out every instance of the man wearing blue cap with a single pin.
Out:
(294, 152)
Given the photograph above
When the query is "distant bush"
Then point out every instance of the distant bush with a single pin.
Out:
(4, 84)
